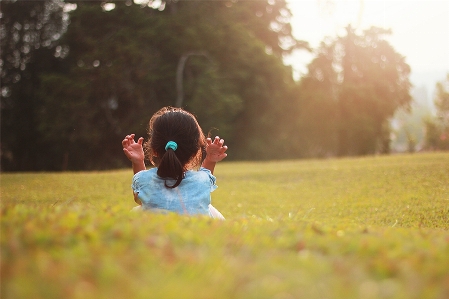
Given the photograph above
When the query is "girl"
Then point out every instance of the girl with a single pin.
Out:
(177, 147)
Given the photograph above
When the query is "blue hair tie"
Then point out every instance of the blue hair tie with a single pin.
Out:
(171, 144)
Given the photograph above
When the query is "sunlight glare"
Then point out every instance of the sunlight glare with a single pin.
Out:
(419, 28)
(108, 6)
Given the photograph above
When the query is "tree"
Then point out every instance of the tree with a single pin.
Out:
(122, 67)
(437, 129)
(317, 109)
(106, 89)
(250, 39)
(442, 103)
(27, 26)
(367, 81)
(29, 35)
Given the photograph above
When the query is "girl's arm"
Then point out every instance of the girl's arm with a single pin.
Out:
(136, 199)
(215, 152)
(134, 151)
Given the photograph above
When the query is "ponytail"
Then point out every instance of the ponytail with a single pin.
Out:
(170, 167)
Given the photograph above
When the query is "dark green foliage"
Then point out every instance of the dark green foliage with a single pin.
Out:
(29, 31)
(25, 27)
(105, 91)
(120, 66)
(22, 145)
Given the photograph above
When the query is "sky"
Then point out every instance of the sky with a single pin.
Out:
(420, 30)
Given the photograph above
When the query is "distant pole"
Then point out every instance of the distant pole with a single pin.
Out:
(179, 75)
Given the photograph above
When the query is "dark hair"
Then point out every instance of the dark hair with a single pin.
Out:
(180, 126)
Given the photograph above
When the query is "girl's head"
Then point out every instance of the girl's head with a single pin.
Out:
(174, 126)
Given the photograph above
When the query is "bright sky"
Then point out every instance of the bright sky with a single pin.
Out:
(420, 30)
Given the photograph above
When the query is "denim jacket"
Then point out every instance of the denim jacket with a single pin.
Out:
(191, 197)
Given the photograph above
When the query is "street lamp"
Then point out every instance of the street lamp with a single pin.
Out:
(179, 75)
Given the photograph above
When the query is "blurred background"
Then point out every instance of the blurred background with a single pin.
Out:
(276, 79)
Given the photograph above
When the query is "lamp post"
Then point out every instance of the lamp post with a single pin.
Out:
(179, 75)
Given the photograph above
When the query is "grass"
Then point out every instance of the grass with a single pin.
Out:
(373, 227)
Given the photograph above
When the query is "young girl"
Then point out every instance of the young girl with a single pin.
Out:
(185, 160)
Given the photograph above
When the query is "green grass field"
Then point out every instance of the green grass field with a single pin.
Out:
(373, 227)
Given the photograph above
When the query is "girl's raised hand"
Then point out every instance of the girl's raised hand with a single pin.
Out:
(133, 150)
(215, 149)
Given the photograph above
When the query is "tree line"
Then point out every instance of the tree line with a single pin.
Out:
(437, 127)
(77, 77)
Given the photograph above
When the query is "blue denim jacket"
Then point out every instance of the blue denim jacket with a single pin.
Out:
(191, 197)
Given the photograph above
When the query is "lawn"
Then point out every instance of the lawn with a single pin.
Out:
(372, 227)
